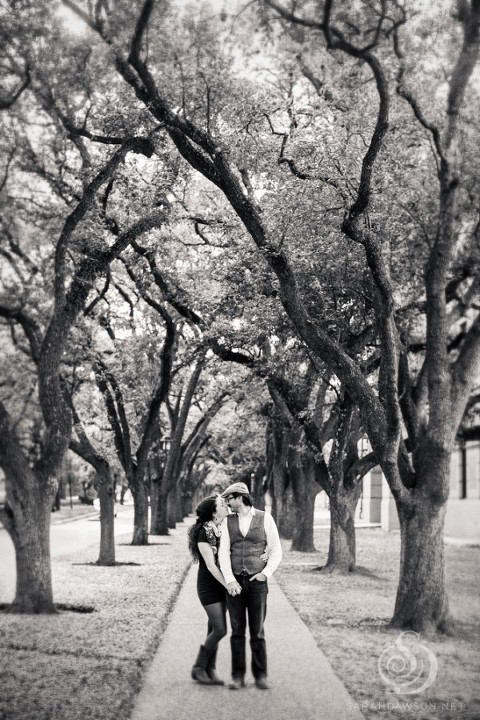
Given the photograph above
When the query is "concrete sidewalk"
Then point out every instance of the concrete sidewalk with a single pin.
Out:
(303, 685)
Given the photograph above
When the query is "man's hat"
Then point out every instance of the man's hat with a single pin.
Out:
(238, 487)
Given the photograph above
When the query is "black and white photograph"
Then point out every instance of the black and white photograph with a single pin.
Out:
(240, 359)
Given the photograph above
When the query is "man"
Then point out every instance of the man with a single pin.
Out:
(246, 534)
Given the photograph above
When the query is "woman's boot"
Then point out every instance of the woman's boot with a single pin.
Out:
(211, 671)
(199, 670)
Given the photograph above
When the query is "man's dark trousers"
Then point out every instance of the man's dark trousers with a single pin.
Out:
(251, 602)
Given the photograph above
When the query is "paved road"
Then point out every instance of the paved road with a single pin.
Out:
(65, 538)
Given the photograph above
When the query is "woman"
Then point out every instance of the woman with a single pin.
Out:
(203, 542)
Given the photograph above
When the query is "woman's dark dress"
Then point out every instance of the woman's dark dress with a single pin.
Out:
(208, 588)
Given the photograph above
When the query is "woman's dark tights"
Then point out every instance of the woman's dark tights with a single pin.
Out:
(217, 624)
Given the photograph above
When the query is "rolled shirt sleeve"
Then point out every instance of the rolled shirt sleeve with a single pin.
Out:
(274, 546)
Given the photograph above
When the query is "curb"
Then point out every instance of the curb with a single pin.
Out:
(61, 521)
(94, 513)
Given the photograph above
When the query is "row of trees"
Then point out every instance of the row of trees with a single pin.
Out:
(288, 190)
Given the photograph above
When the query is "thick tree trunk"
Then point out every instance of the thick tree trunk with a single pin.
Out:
(305, 490)
(179, 506)
(188, 505)
(279, 480)
(258, 489)
(302, 534)
(284, 512)
(34, 580)
(172, 509)
(160, 522)
(28, 524)
(422, 603)
(107, 514)
(342, 547)
(140, 517)
(154, 487)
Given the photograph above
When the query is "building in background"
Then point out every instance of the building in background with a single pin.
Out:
(462, 521)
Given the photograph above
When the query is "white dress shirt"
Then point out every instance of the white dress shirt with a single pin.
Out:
(274, 546)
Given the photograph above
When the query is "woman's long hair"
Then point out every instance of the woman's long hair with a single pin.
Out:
(205, 511)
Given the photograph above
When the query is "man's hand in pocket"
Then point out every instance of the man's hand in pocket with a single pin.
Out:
(260, 577)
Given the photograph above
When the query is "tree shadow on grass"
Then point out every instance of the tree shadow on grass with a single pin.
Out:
(466, 631)
(67, 607)
(367, 623)
(150, 544)
(11, 609)
(359, 570)
(116, 564)
(372, 623)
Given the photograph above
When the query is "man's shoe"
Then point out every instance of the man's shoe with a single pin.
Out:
(261, 683)
(237, 684)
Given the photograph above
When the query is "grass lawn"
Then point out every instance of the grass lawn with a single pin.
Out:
(79, 666)
(347, 616)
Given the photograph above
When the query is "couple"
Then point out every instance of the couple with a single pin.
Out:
(237, 552)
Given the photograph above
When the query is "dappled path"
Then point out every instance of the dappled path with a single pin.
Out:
(303, 684)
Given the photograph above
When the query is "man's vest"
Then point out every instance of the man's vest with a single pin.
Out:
(245, 551)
